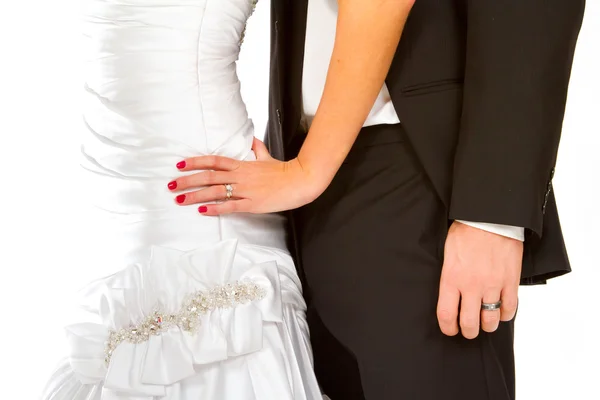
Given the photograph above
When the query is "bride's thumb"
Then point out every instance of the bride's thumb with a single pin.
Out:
(261, 151)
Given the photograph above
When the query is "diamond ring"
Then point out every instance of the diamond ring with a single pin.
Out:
(229, 193)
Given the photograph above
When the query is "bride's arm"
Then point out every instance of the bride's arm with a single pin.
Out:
(367, 34)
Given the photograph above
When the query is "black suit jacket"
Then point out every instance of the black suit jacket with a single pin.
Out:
(480, 87)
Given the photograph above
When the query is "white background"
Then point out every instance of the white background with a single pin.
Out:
(42, 219)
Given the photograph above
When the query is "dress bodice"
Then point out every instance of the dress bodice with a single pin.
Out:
(165, 71)
(161, 85)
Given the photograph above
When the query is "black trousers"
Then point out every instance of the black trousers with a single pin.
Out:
(371, 250)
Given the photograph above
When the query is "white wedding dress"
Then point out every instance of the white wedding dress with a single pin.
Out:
(195, 307)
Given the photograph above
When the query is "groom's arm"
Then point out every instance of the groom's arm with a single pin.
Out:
(518, 63)
(517, 68)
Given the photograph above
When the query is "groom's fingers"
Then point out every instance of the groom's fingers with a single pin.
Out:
(510, 302)
(447, 309)
(470, 311)
(490, 319)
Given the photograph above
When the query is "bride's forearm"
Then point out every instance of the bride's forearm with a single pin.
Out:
(368, 32)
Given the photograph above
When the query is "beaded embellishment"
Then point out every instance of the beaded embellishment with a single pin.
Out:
(253, 3)
(187, 319)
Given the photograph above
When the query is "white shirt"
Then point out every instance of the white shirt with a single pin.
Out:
(320, 38)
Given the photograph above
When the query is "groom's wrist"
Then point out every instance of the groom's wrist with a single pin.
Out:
(513, 232)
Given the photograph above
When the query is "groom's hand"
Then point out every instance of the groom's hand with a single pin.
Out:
(479, 266)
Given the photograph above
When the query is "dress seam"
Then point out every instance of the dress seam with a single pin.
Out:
(198, 74)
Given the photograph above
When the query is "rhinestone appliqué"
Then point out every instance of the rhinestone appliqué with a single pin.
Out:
(187, 319)
(253, 3)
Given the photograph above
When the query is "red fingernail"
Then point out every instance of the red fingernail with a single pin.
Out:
(202, 209)
(172, 185)
(180, 199)
(181, 165)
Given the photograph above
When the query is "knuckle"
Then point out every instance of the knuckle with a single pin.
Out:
(446, 316)
(469, 323)
(447, 281)
(490, 317)
(219, 163)
(190, 197)
(183, 182)
(203, 196)
(210, 177)
(493, 286)
(212, 161)
(510, 304)
(196, 163)
(216, 192)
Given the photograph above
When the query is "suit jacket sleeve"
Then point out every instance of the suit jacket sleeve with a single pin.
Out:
(518, 62)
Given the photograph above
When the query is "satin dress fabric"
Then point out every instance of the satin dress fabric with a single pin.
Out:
(161, 86)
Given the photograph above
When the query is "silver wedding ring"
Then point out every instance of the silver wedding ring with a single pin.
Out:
(229, 193)
(491, 306)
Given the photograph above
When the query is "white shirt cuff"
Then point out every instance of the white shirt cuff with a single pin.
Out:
(514, 232)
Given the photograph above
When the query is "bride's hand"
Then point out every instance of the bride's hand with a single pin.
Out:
(262, 186)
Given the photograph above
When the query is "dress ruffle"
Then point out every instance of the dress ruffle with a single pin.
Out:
(155, 368)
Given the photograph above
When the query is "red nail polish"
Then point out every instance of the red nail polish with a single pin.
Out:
(172, 185)
(180, 199)
(181, 165)
(202, 209)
